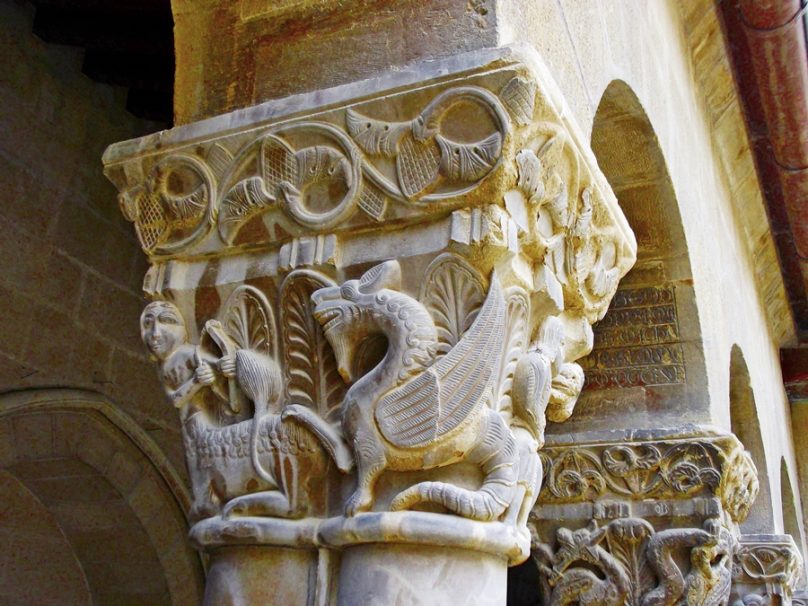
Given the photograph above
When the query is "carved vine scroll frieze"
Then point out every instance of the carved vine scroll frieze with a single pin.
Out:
(658, 469)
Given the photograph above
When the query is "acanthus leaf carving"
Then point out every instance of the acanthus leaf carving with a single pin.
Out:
(453, 292)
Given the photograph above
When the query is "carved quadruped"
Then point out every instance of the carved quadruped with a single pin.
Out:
(368, 305)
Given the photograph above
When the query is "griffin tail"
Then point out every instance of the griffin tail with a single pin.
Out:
(496, 456)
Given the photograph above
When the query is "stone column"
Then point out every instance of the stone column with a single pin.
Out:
(367, 301)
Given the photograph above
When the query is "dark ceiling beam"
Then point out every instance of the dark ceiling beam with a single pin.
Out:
(140, 32)
(128, 43)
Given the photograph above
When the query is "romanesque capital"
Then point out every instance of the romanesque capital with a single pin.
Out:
(768, 569)
(648, 518)
(367, 302)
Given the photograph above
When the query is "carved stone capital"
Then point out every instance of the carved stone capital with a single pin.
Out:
(368, 301)
(766, 566)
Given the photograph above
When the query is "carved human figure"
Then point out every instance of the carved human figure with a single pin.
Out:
(252, 467)
(547, 384)
(411, 412)
(163, 331)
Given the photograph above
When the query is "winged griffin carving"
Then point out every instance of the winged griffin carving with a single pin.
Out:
(417, 409)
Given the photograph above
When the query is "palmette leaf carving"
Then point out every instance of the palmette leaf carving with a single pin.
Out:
(242, 202)
(514, 345)
(375, 137)
(249, 321)
(627, 541)
(453, 292)
(312, 378)
(469, 161)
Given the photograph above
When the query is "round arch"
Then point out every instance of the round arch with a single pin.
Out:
(648, 361)
(115, 498)
(791, 523)
(744, 423)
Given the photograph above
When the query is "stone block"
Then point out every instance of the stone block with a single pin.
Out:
(33, 436)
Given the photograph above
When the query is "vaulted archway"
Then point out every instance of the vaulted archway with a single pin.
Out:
(746, 426)
(102, 497)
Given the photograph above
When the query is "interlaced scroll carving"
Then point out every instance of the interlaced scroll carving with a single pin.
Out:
(172, 208)
(716, 465)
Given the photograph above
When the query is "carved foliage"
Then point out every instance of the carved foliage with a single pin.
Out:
(453, 292)
(424, 156)
(633, 470)
(628, 563)
(311, 370)
(172, 208)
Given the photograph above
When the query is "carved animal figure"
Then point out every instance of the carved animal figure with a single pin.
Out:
(580, 585)
(412, 412)
(710, 576)
(223, 473)
(252, 467)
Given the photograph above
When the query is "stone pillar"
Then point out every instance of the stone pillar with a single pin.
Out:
(367, 301)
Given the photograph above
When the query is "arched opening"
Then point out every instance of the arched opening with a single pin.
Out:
(647, 366)
(746, 427)
(791, 524)
(106, 501)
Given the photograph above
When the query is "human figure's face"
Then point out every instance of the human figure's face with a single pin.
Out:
(162, 329)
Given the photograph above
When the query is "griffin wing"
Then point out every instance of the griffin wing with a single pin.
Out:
(439, 399)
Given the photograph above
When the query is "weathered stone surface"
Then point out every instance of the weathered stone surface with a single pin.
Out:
(270, 234)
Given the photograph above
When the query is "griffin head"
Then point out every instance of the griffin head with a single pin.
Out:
(347, 316)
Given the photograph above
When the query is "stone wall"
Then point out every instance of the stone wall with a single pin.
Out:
(71, 283)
